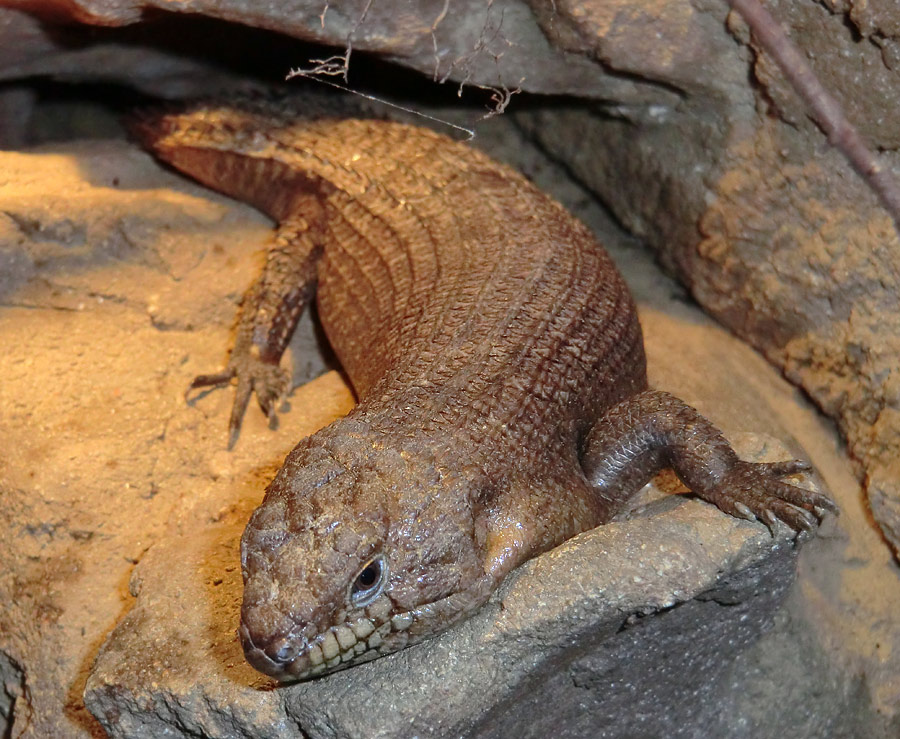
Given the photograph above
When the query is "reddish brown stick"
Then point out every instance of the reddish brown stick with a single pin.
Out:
(826, 111)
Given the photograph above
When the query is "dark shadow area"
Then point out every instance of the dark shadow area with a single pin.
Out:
(182, 56)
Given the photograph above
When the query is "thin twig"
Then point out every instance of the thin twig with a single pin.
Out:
(826, 111)
(434, 42)
(313, 75)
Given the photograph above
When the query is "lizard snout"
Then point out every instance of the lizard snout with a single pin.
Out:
(282, 658)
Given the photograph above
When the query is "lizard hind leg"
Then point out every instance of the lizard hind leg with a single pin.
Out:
(654, 430)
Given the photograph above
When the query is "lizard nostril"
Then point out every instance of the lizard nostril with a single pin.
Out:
(282, 651)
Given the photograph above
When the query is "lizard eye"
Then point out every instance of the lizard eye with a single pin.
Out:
(369, 582)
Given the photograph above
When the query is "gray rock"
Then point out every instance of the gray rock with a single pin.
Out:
(774, 234)
(659, 674)
(602, 623)
(498, 45)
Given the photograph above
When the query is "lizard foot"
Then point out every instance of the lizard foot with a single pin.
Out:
(653, 429)
(755, 491)
(269, 381)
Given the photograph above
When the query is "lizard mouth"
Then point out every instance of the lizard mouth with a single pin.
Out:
(356, 640)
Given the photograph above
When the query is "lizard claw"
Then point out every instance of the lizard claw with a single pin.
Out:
(755, 490)
(267, 380)
(241, 398)
(220, 378)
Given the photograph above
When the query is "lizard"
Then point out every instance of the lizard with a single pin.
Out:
(498, 362)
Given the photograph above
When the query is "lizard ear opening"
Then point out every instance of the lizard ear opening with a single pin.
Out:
(369, 583)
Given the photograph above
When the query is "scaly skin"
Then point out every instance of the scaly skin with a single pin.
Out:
(499, 366)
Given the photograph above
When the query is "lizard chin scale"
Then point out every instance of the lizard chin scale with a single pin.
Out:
(337, 647)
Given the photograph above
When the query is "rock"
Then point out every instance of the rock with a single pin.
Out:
(39, 62)
(497, 45)
(605, 609)
(776, 238)
(119, 284)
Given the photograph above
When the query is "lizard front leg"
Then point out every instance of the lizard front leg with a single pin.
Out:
(269, 313)
(654, 430)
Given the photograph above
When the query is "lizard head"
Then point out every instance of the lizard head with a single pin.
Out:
(357, 550)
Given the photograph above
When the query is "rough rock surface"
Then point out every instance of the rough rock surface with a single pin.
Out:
(118, 282)
(498, 44)
(564, 617)
(774, 233)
